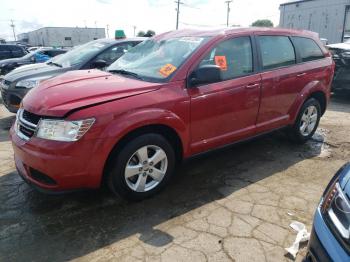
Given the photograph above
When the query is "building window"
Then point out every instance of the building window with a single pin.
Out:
(67, 38)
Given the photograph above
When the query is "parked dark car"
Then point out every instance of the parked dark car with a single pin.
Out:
(341, 57)
(11, 51)
(330, 236)
(38, 56)
(173, 96)
(95, 54)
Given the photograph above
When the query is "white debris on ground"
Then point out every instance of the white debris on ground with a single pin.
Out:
(302, 236)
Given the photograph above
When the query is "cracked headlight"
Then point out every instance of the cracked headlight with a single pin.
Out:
(62, 130)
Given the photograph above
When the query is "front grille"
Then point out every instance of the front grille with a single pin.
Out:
(26, 131)
(30, 117)
(26, 124)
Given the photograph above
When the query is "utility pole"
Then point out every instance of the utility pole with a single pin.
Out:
(228, 11)
(107, 30)
(134, 30)
(13, 29)
(178, 2)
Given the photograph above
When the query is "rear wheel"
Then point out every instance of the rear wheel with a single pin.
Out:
(307, 121)
(142, 167)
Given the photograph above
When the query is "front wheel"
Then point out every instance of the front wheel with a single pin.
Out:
(142, 167)
(307, 121)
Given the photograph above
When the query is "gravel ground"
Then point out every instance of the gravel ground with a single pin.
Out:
(234, 204)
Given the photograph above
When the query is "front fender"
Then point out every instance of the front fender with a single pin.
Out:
(307, 91)
(121, 125)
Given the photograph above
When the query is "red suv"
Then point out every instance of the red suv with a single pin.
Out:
(171, 97)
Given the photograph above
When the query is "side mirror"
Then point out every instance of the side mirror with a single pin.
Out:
(99, 64)
(32, 59)
(206, 74)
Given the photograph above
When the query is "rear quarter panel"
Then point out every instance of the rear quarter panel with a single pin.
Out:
(318, 79)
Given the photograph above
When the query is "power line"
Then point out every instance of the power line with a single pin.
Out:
(190, 6)
(228, 11)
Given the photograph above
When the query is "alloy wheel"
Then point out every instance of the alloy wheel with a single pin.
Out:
(308, 120)
(146, 168)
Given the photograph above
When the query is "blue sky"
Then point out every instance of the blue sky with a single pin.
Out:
(159, 15)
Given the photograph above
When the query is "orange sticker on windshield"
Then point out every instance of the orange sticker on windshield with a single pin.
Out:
(167, 70)
(221, 62)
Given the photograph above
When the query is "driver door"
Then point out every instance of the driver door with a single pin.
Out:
(226, 111)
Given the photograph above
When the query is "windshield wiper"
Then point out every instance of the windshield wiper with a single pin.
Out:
(53, 63)
(125, 72)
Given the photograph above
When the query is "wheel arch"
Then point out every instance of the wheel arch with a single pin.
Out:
(321, 98)
(315, 90)
(165, 130)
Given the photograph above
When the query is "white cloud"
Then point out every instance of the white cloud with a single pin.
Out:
(159, 15)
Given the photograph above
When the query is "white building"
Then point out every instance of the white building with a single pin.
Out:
(329, 18)
(61, 36)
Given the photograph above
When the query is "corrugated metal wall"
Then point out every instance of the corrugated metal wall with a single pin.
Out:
(64, 36)
(325, 17)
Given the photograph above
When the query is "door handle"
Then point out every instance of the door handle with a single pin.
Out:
(300, 75)
(251, 86)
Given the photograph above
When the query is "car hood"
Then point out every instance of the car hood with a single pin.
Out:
(11, 60)
(344, 46)
(76, 89)
(34, 70)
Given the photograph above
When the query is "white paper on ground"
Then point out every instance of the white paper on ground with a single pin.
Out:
(302, 236)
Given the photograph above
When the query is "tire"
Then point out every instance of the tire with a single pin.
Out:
(295, 132)
(128, 170)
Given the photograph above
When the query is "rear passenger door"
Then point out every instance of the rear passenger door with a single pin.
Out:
(17, 51)
(313, 64)
(5, 52)
(280, 85)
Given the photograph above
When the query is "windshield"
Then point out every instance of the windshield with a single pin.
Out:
(29, 55)
(80, 54)
(156, 60)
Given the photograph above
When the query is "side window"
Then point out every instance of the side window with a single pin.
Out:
(308, 49)
(45, 53)
(114, 52)
(234, 57)
(16, 51)
(276, 51)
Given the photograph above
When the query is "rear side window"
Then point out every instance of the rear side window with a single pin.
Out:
(276, 51)
(234, 57)
(308, 49)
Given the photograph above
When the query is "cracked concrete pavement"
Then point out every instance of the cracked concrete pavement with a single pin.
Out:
(235, 204)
